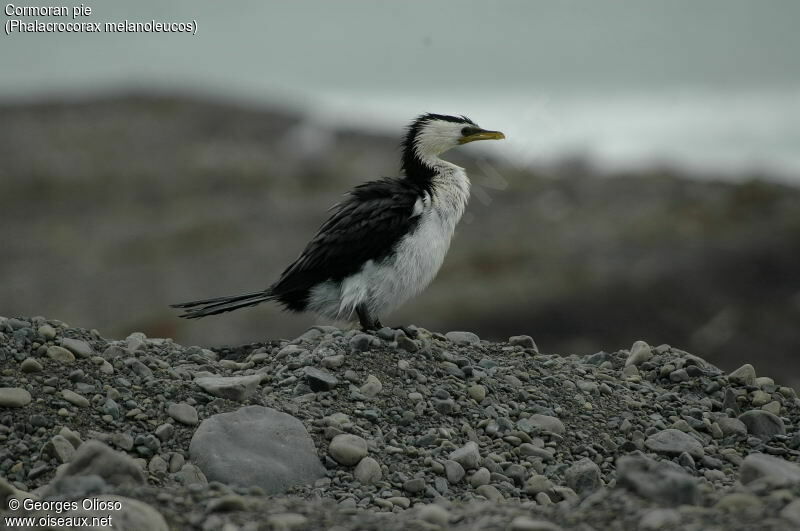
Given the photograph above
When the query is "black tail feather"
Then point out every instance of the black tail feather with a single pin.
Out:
(204, 307)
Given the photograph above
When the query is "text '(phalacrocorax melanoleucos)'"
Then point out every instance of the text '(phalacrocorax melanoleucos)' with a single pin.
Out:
(384, 242)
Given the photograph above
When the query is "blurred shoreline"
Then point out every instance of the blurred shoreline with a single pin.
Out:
(119, 205)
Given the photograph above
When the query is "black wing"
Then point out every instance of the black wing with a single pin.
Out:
(367, 225)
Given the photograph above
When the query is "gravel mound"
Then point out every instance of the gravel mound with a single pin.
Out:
(392, 430)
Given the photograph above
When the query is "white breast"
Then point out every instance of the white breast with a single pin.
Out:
(385, 285)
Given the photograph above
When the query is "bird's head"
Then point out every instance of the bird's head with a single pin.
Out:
(430, 135)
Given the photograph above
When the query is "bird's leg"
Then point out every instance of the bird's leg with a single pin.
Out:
(366, 320)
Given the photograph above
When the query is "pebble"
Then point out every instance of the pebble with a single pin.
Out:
(14, 397)
(541, 422)
(463, 338)
(468, 456)
(360, 342)
(434, 514)
(731, 426)
(368, 471)
(769, 470)
(744, 375)
(414, 486)
(477, 392)
(762, 424)
(523, 341)
(407, 344)
(640, 352)
(372, 387)
(454, 471)
(674, 442)
(490, 492)
(78, 347)
(74, 398)
(236, 388)
(47, 332)
(583, 477)
(482, 476)
(60, 354)
(30, 365)
(319, 379)
(347, 449)
(183, 413)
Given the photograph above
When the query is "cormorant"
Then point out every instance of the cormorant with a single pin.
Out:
(384, 242)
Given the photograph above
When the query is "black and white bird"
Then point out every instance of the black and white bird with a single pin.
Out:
(384, 242)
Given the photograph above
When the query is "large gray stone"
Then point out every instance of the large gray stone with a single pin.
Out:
(14, 397)
(663, 482)
(674, 442)
(762, 424)
(769, 470)
(236, 388)
(80, 348)
(256, 446)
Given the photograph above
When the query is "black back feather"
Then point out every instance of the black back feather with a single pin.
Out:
(367, 225)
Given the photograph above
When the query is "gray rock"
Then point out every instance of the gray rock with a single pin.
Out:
(744, 375)
(731, 426)
(663, 482)
(347, 449)
(583, 477)
(60, 354)
(190, 474)
(60, 448)
(414, 486)
(360, 342)
(674, 442)
(287, 521)
(468, 456)
(434, 514)
(74, 398)
(539, 422)
(477, 392)
(762, 424)
(183, 413)
(454, 471)
(236, 388)
(523, 341)
(256, 446)
(47, 332)
(538, 483)
(372, 387)
(320, 380)
(80, 348)
(406, 343)
(640, 352)
(482, 476)
(30, 365)
(769, 470)
(463, 338)
(94, 458)
(14, 397)
(368, 471)
(491, 493)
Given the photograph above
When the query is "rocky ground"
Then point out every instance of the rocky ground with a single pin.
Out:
(344, 430)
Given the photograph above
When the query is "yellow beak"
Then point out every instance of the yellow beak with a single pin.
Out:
(482, 135)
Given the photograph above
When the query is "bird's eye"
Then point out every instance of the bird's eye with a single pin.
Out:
(467, 131)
